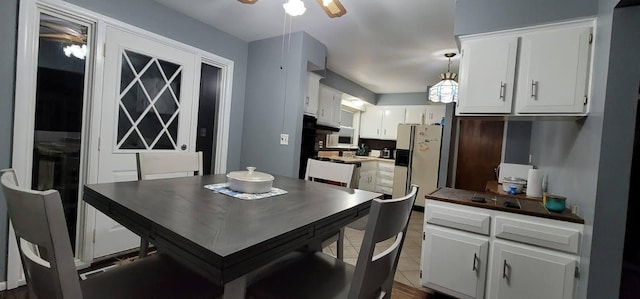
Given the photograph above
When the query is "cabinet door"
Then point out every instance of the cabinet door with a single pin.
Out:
(553, 71)
(415, 115)
(313, 90)
(434, 113)
(391, 118)
(325, 106)
(336, 108)
(487, 75)
(367, 180)
(370, 122)
(454, 262)
(521, 271)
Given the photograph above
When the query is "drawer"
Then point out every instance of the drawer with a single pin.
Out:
(386, 166)
(385, 182)
(383, 189)
(385, 174)
(369, 165)
(458, 219)
(542, 235)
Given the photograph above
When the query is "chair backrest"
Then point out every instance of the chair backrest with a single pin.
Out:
(329, 171)
(153, 165)
(43, 240)
(373, 277)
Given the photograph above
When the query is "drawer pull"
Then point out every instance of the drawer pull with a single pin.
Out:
(475, 260)
(534, 89)
(503, 88)
(504, 270)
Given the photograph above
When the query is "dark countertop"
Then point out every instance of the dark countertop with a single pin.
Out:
(527, 207)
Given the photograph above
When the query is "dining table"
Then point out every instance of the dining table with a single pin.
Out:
(225, 238)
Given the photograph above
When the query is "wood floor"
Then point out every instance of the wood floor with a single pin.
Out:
(400, 291)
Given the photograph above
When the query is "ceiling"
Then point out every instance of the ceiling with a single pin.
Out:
(386, 46)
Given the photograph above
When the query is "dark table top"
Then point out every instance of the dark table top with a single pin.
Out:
(527, 207)
(223, 232)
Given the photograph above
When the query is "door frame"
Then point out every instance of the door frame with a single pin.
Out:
(26, 60)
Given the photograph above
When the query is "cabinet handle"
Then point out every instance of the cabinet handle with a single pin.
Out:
(385, 132)
(534, 89)
(504, 270)
(377, 131)
(503, 89)
(475, 260)
(307, 101)
(322, 112)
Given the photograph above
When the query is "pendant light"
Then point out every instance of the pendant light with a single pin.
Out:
(445, 91)
(294, 7)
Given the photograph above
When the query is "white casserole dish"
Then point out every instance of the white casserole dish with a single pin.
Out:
(517, 183)
(250, 181)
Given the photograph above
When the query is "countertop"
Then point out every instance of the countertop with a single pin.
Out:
(358, 159)
(496, 188)
(496, 202)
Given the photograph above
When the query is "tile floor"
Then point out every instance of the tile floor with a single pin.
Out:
(408, 271)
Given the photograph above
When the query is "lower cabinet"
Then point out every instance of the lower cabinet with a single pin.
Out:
(454, 262)
(522, 271)
(367, 180)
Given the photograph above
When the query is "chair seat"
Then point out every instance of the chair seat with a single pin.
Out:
(316, 275)
(157, 276)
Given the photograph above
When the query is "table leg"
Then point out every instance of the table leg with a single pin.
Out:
(236, 288)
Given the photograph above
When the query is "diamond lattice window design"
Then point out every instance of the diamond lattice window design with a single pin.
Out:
(149, 103)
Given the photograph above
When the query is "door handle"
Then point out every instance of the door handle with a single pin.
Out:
(475, 260)
(534, 89)
(183, 147)
(503, 89)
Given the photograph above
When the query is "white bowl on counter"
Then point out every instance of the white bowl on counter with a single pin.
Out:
(250, 181)
(517, 183)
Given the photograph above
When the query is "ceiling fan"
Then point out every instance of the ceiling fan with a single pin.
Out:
(333, 8)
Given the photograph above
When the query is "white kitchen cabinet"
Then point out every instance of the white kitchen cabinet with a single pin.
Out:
(384, 177)
(553, 75)
(552, 71)
(329, 103)
(521, 271)
(367, 180)
(391, 118)
(313, 92)
(487, 75)
(370, 122)
(434, 113)
(455, 262)
(415, 114)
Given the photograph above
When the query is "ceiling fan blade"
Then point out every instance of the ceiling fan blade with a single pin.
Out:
(333, 9)
(63, 37)
(248, 1)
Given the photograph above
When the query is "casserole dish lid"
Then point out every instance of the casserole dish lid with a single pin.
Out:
(250, 175)
(514, 180)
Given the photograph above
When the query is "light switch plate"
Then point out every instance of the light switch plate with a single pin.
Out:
(284, 139)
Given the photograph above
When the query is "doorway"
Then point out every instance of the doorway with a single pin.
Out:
(207, 110)
(479, 153)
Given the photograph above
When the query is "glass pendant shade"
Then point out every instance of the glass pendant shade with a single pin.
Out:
(294, 7)
(445, 91)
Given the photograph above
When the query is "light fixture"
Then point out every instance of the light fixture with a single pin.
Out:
(445, 91)
(77, 51)
(333, 8)
(294, 7)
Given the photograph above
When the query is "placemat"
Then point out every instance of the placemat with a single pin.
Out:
(224, 189)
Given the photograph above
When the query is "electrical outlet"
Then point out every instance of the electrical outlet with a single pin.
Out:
(284, 139)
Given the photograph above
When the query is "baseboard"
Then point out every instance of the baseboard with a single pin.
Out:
(3, 286)
(418, 208)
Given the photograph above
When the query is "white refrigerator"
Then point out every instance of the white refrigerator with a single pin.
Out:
(417, 159)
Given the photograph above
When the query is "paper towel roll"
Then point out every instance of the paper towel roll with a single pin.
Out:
(534, 183)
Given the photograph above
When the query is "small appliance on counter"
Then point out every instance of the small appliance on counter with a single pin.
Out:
(386, 153)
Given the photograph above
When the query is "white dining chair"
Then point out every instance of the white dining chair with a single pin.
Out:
(317, 275)
(153, 165)
(331, 172)
(49, 267)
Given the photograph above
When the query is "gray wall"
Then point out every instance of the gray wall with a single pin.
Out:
(274, 101)
(448, 143)
(517, 142)
(8, 31)
(474, 16)
(345, 85)
(410, 98)
(154, 17)
(616, 152)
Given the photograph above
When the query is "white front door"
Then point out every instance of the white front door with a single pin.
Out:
(147, 105)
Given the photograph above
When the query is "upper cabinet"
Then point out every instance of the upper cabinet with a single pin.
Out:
(381, 122)
(535, 71)
(313, 91)
(329, 103)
